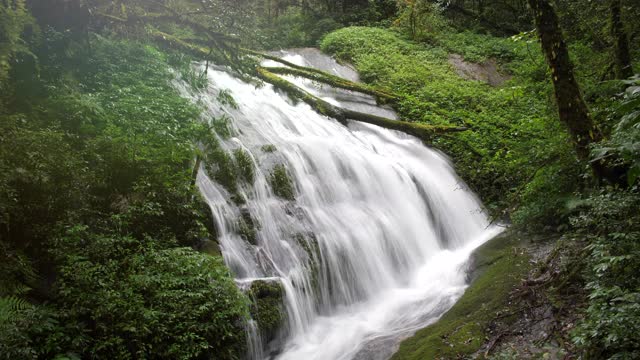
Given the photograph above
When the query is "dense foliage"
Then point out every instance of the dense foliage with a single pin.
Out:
(609, 220)
(99, 212)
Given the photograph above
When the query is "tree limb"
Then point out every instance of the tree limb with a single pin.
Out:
(422, 131)
(334, 81)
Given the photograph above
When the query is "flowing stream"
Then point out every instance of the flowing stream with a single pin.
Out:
(377, 241)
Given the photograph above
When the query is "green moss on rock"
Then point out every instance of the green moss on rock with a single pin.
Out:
(461, 331)
(309, 243)
(268, 307)
(248, 228)
(244, 165)
(281, 183)
(269, 148)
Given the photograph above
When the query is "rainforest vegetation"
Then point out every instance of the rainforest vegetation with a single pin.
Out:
(108, 250)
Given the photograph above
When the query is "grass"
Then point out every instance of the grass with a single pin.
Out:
(461, 331)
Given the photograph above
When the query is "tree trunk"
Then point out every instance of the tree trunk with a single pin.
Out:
(334, 81)
(571, 107)
(422, 131)
(624, 70)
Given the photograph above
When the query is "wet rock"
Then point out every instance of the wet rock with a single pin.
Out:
(268, 307)
(210, 248)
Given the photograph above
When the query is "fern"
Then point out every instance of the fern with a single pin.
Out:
(10, 306)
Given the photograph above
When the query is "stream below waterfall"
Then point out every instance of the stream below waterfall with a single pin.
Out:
(376, 243)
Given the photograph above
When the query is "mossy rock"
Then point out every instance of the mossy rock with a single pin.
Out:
(499, 266)
(221, 167)
(269, 148)
(244, 165)
(210, 248)
(309, 243)
(227, 170)
(281, 183)
(248, 227)
(268, 307)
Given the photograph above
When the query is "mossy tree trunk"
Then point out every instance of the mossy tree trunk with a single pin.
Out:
(624, 70)
(422, 131)
(572, 109)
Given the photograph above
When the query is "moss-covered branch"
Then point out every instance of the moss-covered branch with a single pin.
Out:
(282, 61)
(334, 81)
(422, 131)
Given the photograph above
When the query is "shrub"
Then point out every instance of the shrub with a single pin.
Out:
(139, 298)
(610, 221)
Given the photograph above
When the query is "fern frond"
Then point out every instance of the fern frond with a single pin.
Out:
(10, 306)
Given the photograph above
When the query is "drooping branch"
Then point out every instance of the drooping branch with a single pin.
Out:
(334, 81)
(422, 131)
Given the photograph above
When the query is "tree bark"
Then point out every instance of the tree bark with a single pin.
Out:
(624, 70)
(572, 109)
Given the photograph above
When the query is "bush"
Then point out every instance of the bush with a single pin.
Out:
(102, 144)
(610, 221)
(139, 298)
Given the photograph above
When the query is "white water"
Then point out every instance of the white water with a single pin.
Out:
(394, 225)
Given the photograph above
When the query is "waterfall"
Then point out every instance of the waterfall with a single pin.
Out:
(375, 243)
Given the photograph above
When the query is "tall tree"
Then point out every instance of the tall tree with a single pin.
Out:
(572, 109)
(624, 69)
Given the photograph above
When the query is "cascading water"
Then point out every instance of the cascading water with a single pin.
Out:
(376, 242)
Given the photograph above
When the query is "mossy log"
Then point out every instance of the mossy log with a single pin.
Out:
(283, 61)
(422, 131)
(334, 81)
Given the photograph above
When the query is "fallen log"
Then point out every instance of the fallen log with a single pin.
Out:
(334, 81)
(283, 62)
(422, 131)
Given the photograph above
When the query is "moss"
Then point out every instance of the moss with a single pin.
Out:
(269, 148)
(222, 126)
(268, 307)
(508, 125)
(245, 165)
(334, 81)
(461, 331)
(309, 243)
(248, 228)
(222, 168)
(281, 183)
(211, 248)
